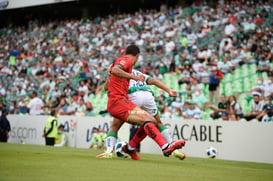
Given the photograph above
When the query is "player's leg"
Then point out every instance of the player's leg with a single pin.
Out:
(125, 110)
(149, 105)
(111, 138)
(168, 137)
(147, 123)
(145, 100)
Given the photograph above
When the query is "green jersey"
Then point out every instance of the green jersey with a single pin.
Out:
(138, 85)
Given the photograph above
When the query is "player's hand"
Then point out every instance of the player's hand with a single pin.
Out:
(172, 93)
(140, 78)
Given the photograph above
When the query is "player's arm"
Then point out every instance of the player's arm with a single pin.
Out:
(118, 71)
(106, 84)
(162, 86)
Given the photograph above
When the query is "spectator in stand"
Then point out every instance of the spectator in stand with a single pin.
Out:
(264, 64)
(167, 113)
(268, 89)
(83, 88)
(230, 28)
(20, 90)
(268, 117)
(2, 90)
(185, 75)
(35, 105)
(81, 108)
(234, 109)
(195, 85)
(225, 66)
(84, 69)
(91, 86)
(197, 65)
(62, 107)
(55, 94)
(177, 103)
(256, 107)
(12, 107)
(224, 116)
(200, 99)
(267, 102)
(204, 54)
(22, 106)
(225, 42)
(46, 97)
(192, 112)
(214, 83)
(68, 89)
(169, 46)
(259, 87)
(192, 40)
(89, 111)
(222, 108)
(177, 114)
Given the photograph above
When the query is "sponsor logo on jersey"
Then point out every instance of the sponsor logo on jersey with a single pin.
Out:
(122, 62)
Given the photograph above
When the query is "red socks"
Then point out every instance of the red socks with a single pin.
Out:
(139, 136)
(151, 130)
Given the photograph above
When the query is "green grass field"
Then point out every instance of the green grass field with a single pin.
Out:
(34, 163)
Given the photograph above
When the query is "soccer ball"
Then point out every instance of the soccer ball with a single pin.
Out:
(118, 150)
(211, 152)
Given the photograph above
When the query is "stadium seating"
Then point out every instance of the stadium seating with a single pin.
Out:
(238, 82)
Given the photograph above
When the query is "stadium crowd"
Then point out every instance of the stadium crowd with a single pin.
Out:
(62, 64)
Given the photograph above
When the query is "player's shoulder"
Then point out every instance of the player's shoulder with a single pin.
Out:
(124, 59)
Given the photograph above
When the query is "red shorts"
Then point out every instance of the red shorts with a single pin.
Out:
(120, 108)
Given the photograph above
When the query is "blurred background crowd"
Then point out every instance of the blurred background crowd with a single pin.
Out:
(219, 60)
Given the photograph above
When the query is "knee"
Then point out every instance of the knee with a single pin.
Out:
(147, 117)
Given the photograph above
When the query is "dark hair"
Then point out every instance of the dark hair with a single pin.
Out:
(4, 111)
(132, 50)
(34, 93)
(52, 113)
(61, 126)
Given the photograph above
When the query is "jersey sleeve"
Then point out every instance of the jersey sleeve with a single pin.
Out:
(136, 72)
(125, 62)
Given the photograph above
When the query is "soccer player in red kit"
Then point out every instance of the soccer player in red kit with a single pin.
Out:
(120, 107)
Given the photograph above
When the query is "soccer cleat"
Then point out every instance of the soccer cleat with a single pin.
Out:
(173, 146)
(179, 154)
(105, 155)
(133, 153)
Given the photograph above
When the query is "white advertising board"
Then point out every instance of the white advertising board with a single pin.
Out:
(12, 4)
(242, 141)
(85, 126)
(27, 129)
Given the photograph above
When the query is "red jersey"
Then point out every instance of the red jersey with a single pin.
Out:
(118, 87)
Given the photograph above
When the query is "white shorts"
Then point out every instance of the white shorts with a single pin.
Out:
(145, 100)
